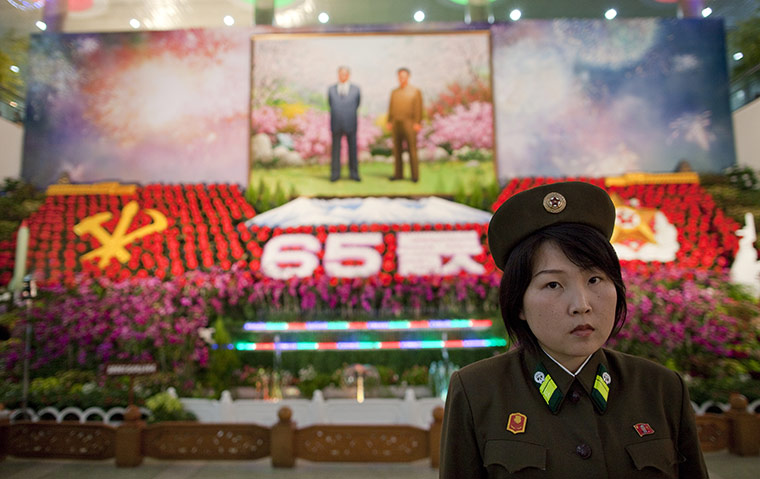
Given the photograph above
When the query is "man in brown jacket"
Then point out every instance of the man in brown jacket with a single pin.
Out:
(404, 122)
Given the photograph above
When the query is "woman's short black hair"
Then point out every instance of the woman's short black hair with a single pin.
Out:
(584, 245)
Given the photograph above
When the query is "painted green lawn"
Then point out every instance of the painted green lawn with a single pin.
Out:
(436, 178)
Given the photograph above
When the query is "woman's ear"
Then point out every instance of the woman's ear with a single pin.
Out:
(521, 315)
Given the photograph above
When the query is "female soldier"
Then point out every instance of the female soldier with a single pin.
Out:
(560, 405)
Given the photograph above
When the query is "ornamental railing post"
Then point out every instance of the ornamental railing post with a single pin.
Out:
(129, 439)
(5, 429)
(435, 437)
(744, 437)
(283, 440)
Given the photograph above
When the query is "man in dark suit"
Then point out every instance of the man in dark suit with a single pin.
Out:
(344, 99)
(404, 122)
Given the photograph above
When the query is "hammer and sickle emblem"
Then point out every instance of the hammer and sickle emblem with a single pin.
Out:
(112, 245)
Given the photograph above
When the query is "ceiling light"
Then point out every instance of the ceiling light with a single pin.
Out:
(134, 23)
(323, 17)
(228, 20)
(610, 14)
(419, 16)
(41, 25)
(515, 15)
(14, 69)
(738, 56)
(706, 12)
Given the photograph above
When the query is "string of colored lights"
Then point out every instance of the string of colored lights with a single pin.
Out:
(397, 325)
(368, 345)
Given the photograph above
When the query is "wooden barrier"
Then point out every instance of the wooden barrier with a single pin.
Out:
(354, 443)
(745, 428)
(738, 430)
(713, 430)
(54, 440)
(188, 440)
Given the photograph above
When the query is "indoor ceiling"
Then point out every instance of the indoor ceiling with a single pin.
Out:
(20, 16)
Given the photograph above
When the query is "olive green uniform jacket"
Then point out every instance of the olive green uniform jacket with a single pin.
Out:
(499, 424)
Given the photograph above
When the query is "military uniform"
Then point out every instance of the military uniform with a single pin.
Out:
(521, 415)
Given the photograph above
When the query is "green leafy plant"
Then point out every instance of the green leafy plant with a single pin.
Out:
(165, 407)
(223, 360)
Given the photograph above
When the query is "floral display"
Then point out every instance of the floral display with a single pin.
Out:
(691, 320)
(204, 229)
(206, 266)
(694, 321)
(466, 126)
(98, 321)
(201, 231)
(706, 237)
(7, 258)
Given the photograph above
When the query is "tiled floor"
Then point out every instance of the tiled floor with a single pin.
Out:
(721, 464)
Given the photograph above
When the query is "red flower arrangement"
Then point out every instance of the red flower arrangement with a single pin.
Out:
(707, 238)
(199, 232)
(205, 229)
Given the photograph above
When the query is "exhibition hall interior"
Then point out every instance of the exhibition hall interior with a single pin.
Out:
(252, 236)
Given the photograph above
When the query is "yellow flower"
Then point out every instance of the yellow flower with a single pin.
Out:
(292, 110)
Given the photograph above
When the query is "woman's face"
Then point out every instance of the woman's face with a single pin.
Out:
(570, 310)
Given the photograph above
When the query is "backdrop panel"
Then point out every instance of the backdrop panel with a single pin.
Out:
(588, 97)
(138, 107)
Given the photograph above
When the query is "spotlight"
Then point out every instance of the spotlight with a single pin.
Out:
(706, 12)
(419, 16)
(323, 17)
(738, 56)
(41, 25)
(134, 23)
(610, 14)
(229, 20)
(515, 15)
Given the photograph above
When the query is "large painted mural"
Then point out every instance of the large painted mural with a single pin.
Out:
(139, 107)
(588, 97)
(549, 98)
(291, 75)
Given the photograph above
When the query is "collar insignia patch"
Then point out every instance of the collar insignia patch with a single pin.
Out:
(601, 388)
(516, 423)
(547, 388)
(643, 429)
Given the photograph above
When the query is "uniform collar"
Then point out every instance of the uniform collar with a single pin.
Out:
(553, 382)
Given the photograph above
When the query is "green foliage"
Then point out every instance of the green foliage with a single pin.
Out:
(18, 200)
(745, 38)
(319, 381)
(478, 195)
(416, 376)
(84, 389)
(165, 407)
(222, 361)
(719, 390)
(264, 198)
(743, 177)
(13, 51)
(736, 193)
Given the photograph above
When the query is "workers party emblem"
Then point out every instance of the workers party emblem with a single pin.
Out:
(516, 423)
(643, 429)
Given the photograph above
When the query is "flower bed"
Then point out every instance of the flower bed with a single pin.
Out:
(206, 266)
(706, 237)
(202, 230)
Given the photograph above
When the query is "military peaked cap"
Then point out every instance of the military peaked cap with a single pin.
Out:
(536, 208)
